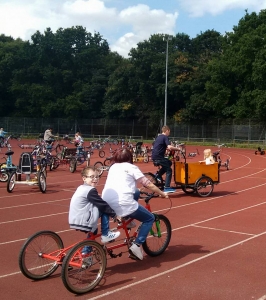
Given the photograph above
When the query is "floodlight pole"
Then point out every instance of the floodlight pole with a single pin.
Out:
(168, 38)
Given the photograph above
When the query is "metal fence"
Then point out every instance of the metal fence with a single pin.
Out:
(240, 131)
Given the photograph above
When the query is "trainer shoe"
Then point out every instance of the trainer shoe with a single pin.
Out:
(168, 190)
(136, 250)
(110, 236)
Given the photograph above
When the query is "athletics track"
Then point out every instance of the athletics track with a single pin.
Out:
(216, 251)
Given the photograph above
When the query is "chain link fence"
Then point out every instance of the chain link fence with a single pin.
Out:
(233, 131)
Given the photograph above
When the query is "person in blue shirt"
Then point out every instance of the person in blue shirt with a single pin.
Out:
(160, 145)
(2, 132)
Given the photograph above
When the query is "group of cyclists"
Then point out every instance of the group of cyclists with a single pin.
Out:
(120, 194)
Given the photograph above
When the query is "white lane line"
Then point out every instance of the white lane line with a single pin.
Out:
(165, 272)
(186, 226)
(178, 267)
(36, 203)
(218, 229)
(24, 239)
(32, 218)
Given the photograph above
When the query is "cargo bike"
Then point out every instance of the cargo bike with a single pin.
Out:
(196, 177)
(191, 177)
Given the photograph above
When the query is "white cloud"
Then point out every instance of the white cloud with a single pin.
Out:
(122, 29)
(144, 22)
(197, 8)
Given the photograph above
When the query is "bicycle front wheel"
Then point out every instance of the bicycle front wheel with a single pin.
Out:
(159, 238)
(83, 272)
(32, 264)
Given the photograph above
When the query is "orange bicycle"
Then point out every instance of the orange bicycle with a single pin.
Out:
(44, 252)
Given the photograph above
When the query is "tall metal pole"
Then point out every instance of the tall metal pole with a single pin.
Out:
(166, 74)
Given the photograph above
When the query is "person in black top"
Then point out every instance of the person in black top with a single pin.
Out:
(160, 145)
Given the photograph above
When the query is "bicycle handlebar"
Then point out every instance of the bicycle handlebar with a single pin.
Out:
(148, 196)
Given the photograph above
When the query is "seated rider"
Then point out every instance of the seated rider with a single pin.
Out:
(160, 145)
(208, 158)
(48, 136)
(2, 132)
(78, 141)
(86, 206)
(121, 194)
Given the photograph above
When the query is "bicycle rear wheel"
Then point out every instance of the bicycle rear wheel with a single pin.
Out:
(154, 180)
(31, 261)
(82, 273)
(99, 166)
(160, 236)
(204, 186)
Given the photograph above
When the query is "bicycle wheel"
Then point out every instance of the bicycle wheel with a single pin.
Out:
(59, 148)
(160, 236)
(80, 274)
(3, 175)
(153, 178)
(227, 164)
(42, 181)
(54, 163)
(99, 166)
(187, 189)
(11, 182)
(204, 186)
(32, 264)
(72, 164)
(101, 153)
(108, 162)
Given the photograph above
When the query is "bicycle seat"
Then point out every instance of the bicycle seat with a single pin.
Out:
(9, 153)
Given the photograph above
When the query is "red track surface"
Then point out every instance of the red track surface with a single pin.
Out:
(216, 250)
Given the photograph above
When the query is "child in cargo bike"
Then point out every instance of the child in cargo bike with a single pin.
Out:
(208, 158)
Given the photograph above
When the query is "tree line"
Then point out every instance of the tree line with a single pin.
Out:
(72, 73)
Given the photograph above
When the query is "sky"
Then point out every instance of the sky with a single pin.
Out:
(124, 23)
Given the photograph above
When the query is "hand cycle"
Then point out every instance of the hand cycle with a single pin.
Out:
(44, 252)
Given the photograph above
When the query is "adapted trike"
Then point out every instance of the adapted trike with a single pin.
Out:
(66, 158)
(7, 167)
(32, 171)
(44, 252)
